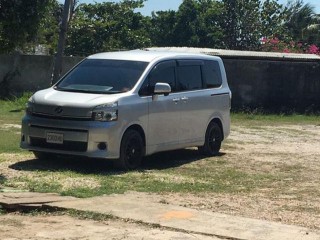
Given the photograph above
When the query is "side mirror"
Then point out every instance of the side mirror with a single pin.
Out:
(162, 88)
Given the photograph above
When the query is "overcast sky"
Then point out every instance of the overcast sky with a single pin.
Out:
(157, 5)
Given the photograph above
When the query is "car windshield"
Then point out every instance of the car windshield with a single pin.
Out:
(102, 76)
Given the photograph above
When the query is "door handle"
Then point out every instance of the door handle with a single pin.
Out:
(185, 99)
(176, 100)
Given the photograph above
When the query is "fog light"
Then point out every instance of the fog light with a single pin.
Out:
(102, 146)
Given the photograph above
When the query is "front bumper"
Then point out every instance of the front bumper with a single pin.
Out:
(80, 138)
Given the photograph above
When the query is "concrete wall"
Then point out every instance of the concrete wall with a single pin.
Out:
(269, 84)
(276, 86)
(19, 73)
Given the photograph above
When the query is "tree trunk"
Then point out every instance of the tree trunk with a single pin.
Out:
(57, 69)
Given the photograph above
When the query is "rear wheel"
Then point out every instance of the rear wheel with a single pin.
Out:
(131, 151)
(213, 140)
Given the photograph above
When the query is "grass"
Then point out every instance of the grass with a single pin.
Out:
(9, 141)
(67, 178)
(255, 120)
(2, 179)
(2, 211)
(11, 111)
(183, 171)
(85, 215)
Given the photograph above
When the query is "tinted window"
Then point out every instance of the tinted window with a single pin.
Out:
(189, 78)
(212, 74)
(103, 76)
(162, 73)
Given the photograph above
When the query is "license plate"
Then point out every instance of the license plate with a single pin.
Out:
(56, 138)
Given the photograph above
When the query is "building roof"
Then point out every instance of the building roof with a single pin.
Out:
(241, 54)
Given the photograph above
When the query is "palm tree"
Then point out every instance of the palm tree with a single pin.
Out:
(299, 19)
(312, 32)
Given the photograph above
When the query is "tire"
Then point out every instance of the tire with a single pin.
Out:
(213, 140)
(44, 155)
(131, 151)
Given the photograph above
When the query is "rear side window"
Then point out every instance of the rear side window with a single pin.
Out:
(189, 77)
(212, 74)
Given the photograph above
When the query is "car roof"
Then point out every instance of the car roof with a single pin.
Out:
(146, 55)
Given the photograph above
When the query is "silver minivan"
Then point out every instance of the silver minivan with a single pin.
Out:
(126, 105)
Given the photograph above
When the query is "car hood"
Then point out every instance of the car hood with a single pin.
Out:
(69, 104)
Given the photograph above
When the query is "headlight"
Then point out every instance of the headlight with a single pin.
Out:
(30, 106)
(106, 113)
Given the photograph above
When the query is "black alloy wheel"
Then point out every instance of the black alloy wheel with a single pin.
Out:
(131, 151)
(213, 140)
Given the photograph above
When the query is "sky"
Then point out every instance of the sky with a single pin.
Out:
(158, 5)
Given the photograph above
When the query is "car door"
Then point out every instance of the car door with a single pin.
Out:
(164, 110)
(202, 97)
(194, 102)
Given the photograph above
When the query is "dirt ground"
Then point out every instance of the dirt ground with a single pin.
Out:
(25, 227)
(289, 150)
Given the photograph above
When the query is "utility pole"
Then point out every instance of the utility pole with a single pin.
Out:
(57, 69)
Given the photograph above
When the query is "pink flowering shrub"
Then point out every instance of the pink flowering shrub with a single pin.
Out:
(276, 45)
(313, 49)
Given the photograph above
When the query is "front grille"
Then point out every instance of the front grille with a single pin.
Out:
(66, 146)
(48, 116)
(59, 129)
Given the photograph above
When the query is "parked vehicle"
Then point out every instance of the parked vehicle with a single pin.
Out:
(126, 105)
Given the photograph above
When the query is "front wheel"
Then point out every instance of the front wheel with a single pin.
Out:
(213, 140)
(131, 151)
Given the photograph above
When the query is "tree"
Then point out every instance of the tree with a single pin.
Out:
(19, 22)
(302, 22)
(297, 30)
(107, 26)
(242, 25)
(298, 17)
(162, 28)
(210, 23)
(48, 32)
(272, 20)
(186, 28)
(195, 24)
(312, 33)
(67, 14)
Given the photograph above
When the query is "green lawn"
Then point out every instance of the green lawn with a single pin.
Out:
(11, 113)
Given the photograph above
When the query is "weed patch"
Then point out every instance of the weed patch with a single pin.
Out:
(9, 141)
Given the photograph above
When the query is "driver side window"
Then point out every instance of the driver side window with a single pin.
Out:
(164, 72)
